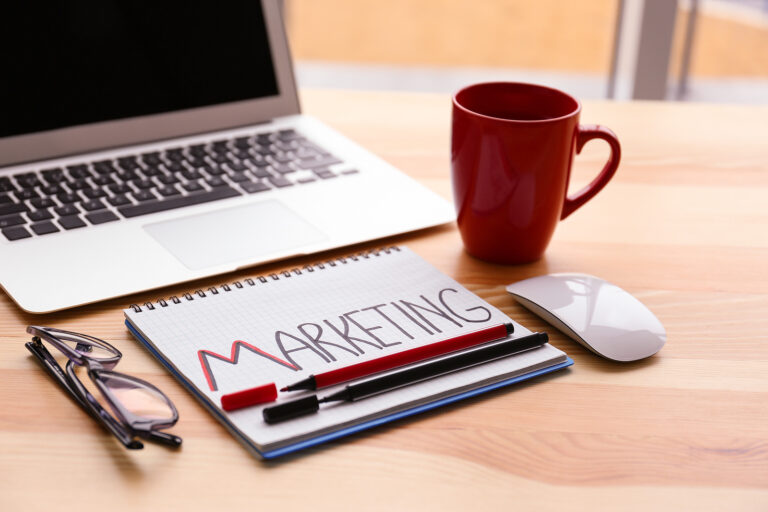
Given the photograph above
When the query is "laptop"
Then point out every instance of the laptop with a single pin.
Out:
(143, 145)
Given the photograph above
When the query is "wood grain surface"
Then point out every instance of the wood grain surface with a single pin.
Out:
(683, 226)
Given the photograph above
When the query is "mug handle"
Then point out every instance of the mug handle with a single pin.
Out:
(586, 133)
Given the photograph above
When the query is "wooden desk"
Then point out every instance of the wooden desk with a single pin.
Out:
(683, 226)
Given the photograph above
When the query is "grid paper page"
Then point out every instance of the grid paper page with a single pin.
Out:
(284, 330)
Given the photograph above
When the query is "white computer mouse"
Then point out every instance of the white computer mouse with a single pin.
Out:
(601, 316)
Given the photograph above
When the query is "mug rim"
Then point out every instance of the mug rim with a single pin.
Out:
(529, 85)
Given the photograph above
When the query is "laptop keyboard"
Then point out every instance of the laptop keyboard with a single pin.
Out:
(95, 192)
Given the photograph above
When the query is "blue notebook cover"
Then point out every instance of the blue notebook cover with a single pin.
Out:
(307, 443)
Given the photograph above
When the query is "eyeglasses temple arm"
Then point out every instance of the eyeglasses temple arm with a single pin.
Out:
(54, 370)
(160, 437)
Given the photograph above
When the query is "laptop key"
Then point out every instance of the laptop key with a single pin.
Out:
(68, 198)
(104, 179)
(152, 159)
(178, 202)
(317, 162)
(104, 167)
(167, 179)
(214, 170)
(283, 168)
(11, 220)
(78, 184)
(220, 158)
(8, 208)
(261, 172)
(5, 198)
(144, 184)
(101, 217)
(119, 188)
(94, 204)
(215, 181)
(144, 195)
(28, 181)
(44, 228)
(283, 159)
(128, 162)
(325, 173)
(52, 189)
(26, 193)
(252, 187)
(151, 171)
(260, 163)
(243, 142)
(118, 200)
(127, 175)
(39, 215)
(220, 146)
(286, 146)
(306, 154)
(67, 209)
(53, 175)
(79, 172)
(192, 186)
(280, 182)
(174, 154)
(197, 162)
(168, 190)
(197, 150)
(235, 166)
(6, 185)
(191, 174)
(175, 167)
(71, 222)
(16, 233)
(265, 151)
(238, 177)
(94, 193)
(240, 154)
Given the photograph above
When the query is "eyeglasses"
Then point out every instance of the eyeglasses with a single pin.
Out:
(138, 409)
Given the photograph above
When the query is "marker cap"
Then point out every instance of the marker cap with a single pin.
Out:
(249, 397)
(292, 409)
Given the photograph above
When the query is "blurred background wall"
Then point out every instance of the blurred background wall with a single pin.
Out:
(440, 45)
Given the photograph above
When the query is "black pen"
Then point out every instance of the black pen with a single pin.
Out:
(402, 378)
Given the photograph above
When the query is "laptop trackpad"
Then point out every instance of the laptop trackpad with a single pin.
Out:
(259, 231)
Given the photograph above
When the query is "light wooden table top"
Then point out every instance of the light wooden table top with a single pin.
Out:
(683, 226)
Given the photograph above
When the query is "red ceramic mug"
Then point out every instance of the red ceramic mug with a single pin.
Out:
(512, 146)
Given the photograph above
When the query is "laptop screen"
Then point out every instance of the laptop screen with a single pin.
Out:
(70, 63)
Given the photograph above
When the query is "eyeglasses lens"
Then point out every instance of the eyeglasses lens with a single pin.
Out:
(139, 400)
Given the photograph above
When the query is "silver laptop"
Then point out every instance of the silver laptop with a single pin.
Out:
(143, 145)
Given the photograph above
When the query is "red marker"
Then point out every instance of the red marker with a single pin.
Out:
(403, 358)
(249, 397)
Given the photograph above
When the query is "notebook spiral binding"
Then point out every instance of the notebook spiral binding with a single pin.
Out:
(262, 279)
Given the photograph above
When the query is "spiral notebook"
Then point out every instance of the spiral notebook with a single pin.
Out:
(284, 327)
